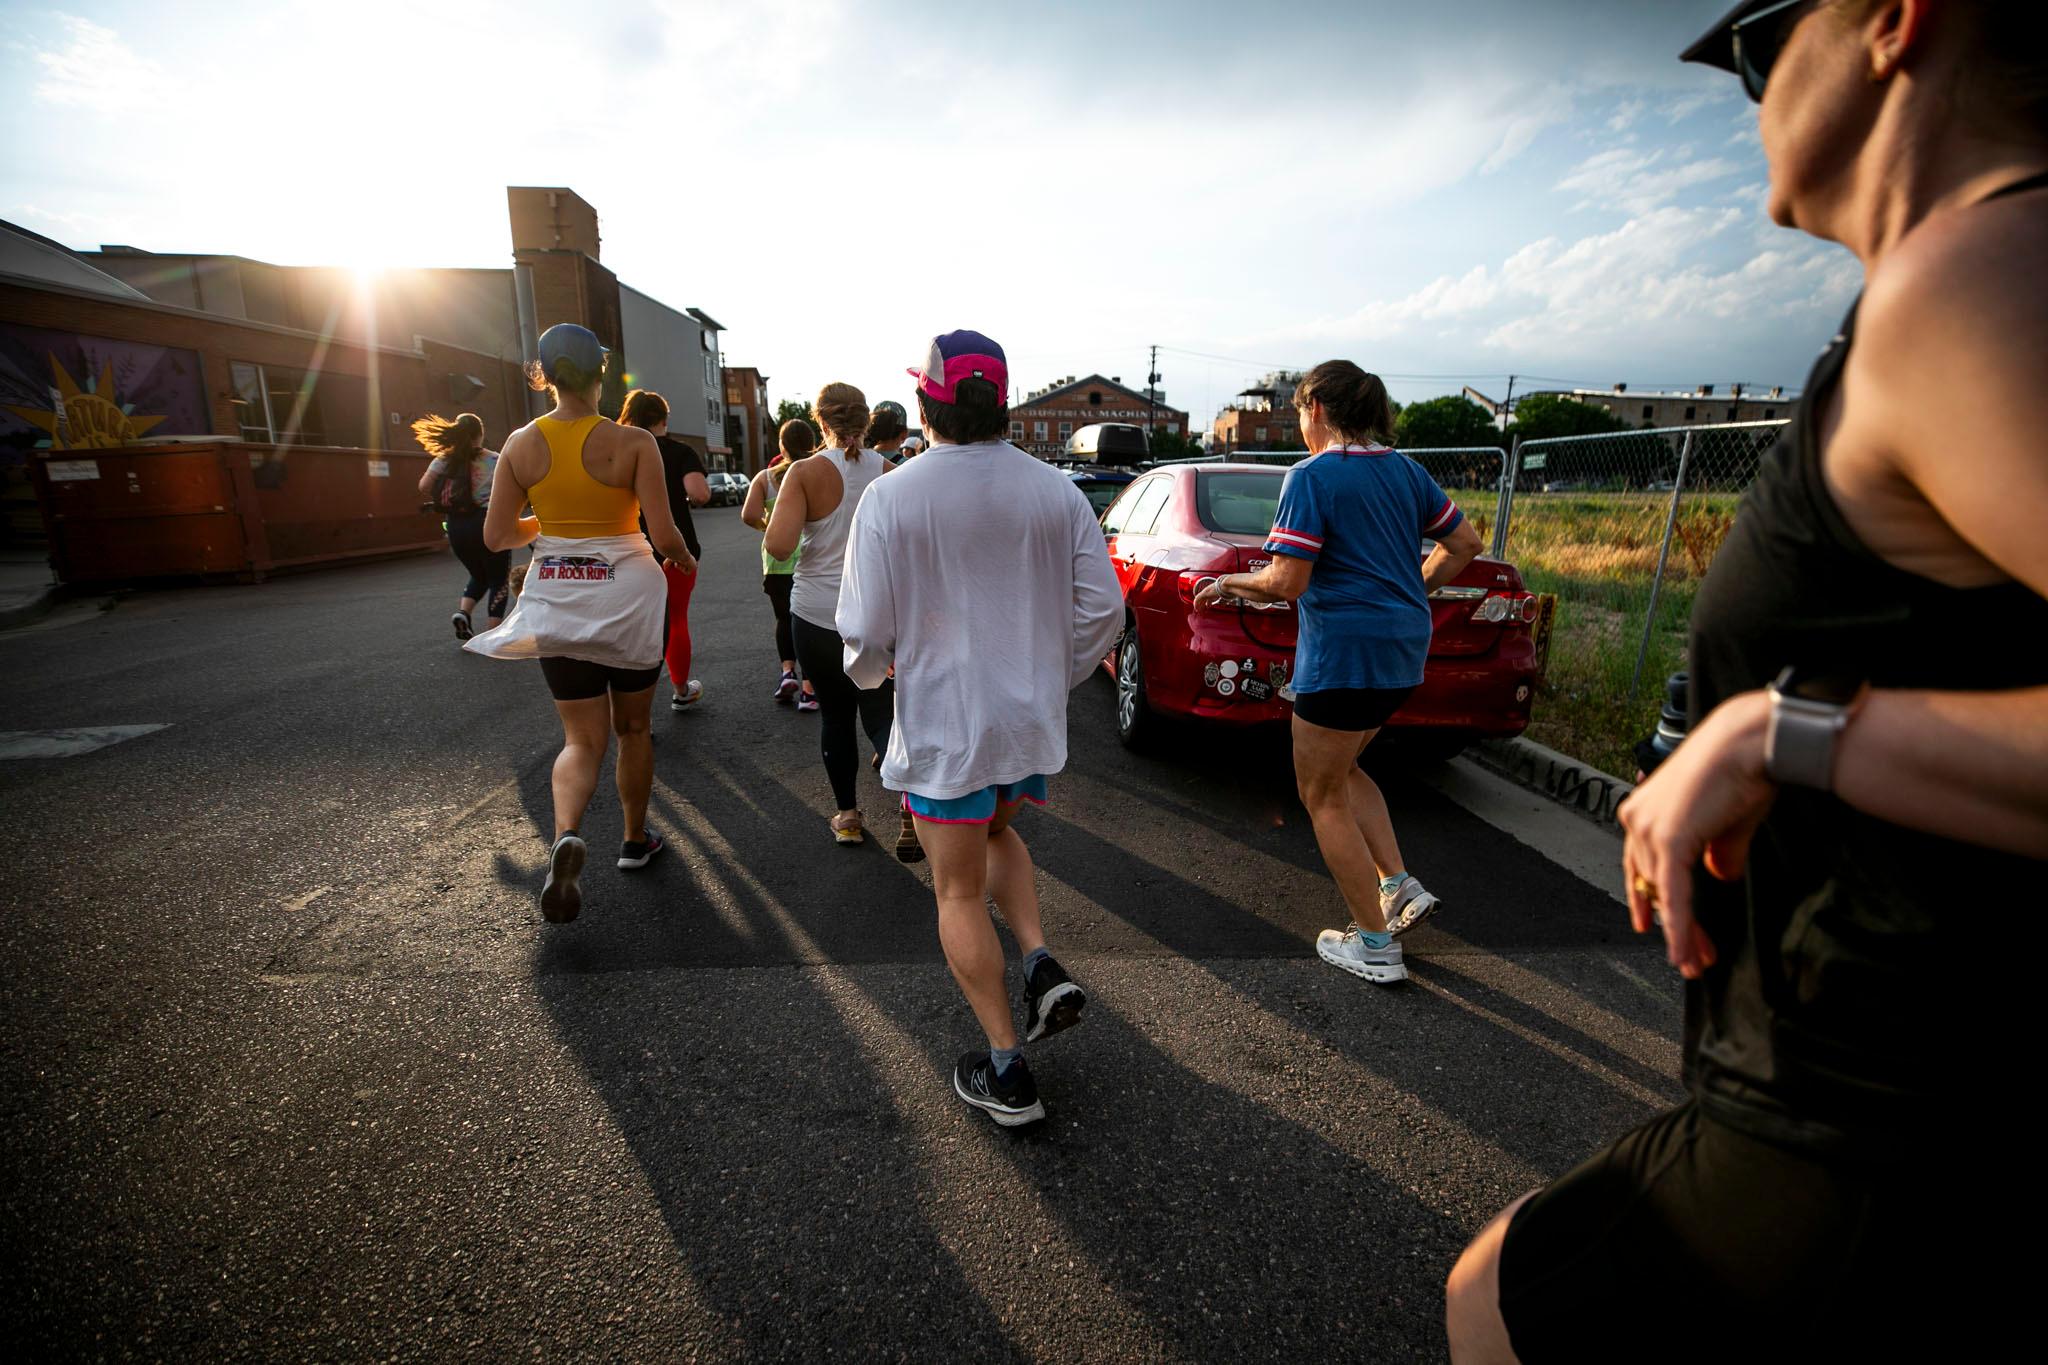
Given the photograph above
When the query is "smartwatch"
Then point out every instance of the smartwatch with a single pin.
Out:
(1809, 711)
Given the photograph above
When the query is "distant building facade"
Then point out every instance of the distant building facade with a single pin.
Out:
(749, 421)
(1262, 418)
(454, 316)
(1045, 418)
(1664, 408)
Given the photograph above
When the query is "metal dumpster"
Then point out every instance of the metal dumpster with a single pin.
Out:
(227, 508)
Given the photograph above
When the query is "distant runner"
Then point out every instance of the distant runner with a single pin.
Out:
(458, 480)
(797, 441)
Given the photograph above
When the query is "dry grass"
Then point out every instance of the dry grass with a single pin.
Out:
(1598, 553)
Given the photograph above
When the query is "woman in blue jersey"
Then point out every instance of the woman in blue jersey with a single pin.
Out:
(1344, 546)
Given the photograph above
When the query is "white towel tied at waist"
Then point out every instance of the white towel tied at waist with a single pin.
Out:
(601, 599)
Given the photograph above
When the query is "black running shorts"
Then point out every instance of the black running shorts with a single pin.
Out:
(1350, 708)
(580, 680)
(1689, 1240)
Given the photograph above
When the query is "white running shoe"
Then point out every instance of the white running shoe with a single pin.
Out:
(1351, 952)
(687, 698)
(1406, 906)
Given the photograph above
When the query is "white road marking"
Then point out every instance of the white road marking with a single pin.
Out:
(67, 743)
(1573, 842)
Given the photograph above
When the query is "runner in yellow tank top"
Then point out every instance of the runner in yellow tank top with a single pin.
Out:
(568, 501)
(594, 602)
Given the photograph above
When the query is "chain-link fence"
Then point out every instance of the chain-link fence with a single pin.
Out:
(1622, 528)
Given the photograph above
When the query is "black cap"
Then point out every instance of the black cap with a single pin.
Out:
(1717, 46)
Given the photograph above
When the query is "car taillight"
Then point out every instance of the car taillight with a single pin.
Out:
(1505, 609)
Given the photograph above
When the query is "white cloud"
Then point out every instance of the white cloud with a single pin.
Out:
(1636, 182)
(94, 70)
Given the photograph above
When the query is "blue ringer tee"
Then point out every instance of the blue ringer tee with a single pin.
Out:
(1359, 514)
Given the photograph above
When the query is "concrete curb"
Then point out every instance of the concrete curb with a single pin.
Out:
(1574, 785)
(29, 610)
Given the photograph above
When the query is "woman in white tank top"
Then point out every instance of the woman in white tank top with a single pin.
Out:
(813, 513)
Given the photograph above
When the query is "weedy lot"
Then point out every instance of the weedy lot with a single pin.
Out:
(1598, 553)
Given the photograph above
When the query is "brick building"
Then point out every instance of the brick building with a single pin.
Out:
(556, 276)
(1043, 421)
(749, 421)
(1262, 418)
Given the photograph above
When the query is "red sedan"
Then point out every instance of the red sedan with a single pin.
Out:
(1183, 524)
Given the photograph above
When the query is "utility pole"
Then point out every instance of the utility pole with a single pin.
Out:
(1151, 394)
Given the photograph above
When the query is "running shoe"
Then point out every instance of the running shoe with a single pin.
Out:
(1051, 1001)
(1350, 951)
(688, 697)
(463, 628)
(909, 849)
(561, 898)
(846, 831)
(807, 701)
(787, 688)
(1012, 1101)
(1406, 906)
(638, 854)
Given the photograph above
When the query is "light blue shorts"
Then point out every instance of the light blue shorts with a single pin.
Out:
(976, 808)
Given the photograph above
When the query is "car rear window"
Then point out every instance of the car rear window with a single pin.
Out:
(1240, 504)
(1101, 495)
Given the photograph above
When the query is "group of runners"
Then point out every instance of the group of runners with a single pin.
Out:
(1868, 755)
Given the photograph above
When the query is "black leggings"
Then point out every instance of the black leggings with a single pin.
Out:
(777, 586)
(489, 569)
(822, 654)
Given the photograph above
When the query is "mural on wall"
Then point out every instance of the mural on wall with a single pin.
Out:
(63, 391)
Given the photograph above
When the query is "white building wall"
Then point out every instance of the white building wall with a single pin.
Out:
(665, 352)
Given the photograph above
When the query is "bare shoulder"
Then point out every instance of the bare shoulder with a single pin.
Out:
(1977, 275)
(525, 452)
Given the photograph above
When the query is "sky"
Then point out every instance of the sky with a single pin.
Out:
(1446, 193)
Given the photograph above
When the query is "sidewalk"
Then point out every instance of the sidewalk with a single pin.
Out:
(28, 587)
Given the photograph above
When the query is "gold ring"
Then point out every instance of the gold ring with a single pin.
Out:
(1646, 888)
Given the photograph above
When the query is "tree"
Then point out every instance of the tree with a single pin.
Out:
(1452, 420)
(1543, 415)
(790, 410)
(1168, 445)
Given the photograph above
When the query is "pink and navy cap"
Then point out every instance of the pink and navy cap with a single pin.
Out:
(957, 356)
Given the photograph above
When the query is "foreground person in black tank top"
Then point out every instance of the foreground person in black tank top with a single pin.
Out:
(1845, 857)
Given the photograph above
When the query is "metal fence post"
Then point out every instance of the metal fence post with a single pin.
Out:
(1510, 474)
(1635, 686)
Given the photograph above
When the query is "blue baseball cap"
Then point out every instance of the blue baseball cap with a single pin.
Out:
(577, 345)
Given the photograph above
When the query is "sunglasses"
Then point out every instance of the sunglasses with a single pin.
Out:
(1758, 39)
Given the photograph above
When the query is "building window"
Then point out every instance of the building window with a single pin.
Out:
(1649, 412)
(1769, 413)
(1731, 412)
(1095, 398)
(1066, 430)
(1258, 433)
(711, 414)
(1689, 414)
(1016, 431)
(1173, 428)
(1038, 431)
(294, 407)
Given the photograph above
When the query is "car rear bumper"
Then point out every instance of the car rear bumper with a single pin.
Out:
(1484, 695)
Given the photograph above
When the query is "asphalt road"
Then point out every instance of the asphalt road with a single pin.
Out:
(291, 1067)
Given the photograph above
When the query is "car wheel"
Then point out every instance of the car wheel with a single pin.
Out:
(1135, 722)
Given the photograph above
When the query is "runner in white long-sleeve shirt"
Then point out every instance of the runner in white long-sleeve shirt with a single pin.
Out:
(980, 574)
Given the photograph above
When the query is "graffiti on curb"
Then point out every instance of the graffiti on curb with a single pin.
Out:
(1564, 780)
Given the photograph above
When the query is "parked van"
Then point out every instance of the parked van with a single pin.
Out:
(1109, 443)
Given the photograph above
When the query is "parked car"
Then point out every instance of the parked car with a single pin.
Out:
(1564, 486)
(1102, 485)
(727, 489)
(1177, 526)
